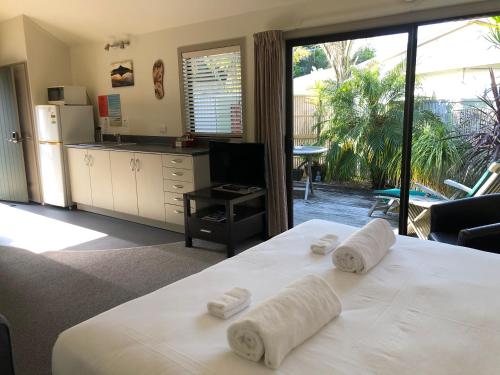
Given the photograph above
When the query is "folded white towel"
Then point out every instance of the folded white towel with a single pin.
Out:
(279, 324)
(364, 248)
(325, 244)
(230, 303)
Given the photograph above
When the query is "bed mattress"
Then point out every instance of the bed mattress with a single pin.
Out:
(427, 308)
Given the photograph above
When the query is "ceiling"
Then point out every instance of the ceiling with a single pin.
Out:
(78, 21)
(81, 21)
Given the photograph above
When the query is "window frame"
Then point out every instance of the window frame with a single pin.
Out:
(237, 42)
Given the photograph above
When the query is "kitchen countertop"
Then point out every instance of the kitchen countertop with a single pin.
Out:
(143, 147)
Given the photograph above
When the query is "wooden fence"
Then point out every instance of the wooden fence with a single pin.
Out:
(461, 115)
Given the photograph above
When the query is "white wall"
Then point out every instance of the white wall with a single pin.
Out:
(48, 61)
(12, 44)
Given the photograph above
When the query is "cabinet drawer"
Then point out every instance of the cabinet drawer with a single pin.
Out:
(174, 214)
(174, 198)
(207, 230)
(178, 161)
(177, 174)
(180, 187)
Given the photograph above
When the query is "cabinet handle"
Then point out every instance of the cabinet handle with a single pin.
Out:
(86, 160)
(91, 160)
(138, 164)
(178, 211)
(178, 199)
(206, 231)
(132, 164)
(177, 186)
(177, 174)
(176, 161)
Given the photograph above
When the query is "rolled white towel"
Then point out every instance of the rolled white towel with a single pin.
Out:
(279, 324)
(364, 248)
(230, 303)
(325, 244)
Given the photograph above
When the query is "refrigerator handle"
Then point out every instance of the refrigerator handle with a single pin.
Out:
(132, 164)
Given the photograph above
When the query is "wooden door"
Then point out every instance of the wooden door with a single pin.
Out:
(123, 182)
(100, 179)
(149, 179)
(79, 176)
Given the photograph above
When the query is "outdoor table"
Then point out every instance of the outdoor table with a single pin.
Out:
(308, 152)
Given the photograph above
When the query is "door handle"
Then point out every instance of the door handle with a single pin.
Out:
(15, 138)
(138, 165)
(132, 164)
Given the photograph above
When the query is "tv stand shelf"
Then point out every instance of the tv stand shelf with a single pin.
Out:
(245, 216)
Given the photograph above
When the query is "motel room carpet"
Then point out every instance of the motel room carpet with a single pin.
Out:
(43, 294)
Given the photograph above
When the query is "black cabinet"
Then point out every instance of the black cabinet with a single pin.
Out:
(225, 217)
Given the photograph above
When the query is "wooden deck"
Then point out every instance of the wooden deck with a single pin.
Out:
(344, 205)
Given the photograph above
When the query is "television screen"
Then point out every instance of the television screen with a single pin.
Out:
(238, 163)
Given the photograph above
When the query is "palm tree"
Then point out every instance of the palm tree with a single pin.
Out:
(364, 132)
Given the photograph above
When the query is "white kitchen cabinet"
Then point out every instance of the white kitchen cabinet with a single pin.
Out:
(100, 179)
(79, 176)
(123, 182)
(149, 180)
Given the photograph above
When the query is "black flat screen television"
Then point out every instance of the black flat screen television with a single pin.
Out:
(238, 163)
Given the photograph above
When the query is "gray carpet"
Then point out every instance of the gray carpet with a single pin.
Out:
(43, 294)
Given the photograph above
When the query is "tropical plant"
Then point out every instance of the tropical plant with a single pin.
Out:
(483, 144)
(364, 131)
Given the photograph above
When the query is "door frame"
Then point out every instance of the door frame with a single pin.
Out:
(412, 30)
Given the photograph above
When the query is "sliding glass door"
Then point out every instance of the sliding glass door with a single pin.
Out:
(348, 99)
(456, 131)
(387, 122)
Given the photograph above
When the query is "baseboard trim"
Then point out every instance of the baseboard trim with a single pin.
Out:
(133, 218)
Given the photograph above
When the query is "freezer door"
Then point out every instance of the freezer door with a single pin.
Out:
(52, 174)
(77, 123)
(48, 123)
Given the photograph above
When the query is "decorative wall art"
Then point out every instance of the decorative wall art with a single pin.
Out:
(122, 74)
(158, 70)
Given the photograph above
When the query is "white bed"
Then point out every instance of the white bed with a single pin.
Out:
(427, 308)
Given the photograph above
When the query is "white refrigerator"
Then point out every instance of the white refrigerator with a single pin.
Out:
(58, 125)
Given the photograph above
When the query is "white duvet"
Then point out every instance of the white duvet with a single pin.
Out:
(426, 308)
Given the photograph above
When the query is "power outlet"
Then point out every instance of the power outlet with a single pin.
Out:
(163, 129)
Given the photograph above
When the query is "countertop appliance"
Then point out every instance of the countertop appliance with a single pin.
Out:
(67, 95)
(56, 126)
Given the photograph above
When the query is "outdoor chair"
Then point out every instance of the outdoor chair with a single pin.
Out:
(387, 200)
(419, 207)
(6, 362)
(471, 222)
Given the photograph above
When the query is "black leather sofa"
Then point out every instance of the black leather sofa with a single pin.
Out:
(472, 222)
(6, 362)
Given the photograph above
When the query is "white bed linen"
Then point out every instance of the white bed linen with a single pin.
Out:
(426, 308)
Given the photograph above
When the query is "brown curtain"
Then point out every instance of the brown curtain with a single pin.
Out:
(270, 121)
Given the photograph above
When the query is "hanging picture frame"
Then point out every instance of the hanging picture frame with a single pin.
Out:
(122, 73)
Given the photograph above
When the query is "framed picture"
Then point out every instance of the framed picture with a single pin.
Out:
(122, 74)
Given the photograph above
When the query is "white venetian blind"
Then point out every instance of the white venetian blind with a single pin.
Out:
(212, 91)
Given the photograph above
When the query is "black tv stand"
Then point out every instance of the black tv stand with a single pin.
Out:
(226, 217)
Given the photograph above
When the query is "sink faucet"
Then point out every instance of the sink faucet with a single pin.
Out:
(118, 138)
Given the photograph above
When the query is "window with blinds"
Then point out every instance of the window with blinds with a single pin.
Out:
(212, 91)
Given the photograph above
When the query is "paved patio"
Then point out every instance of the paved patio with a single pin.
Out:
(344, 205)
